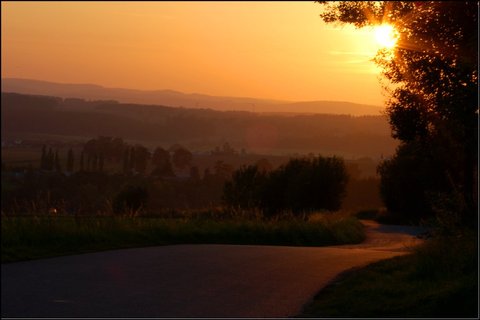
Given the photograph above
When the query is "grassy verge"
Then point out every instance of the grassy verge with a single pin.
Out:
(33, 237)
(439, 280)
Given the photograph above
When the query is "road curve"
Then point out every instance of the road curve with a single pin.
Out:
(183, 281)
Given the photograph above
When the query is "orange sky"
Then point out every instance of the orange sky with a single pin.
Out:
(275, 50)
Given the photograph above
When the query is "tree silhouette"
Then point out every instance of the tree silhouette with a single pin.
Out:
(132, 160)
(70, 160)
(160, 157)
(182, 157)
(101, 162)
(111, 148)
(82, 161)
(43, 160)
(223, 170)
(58, 167)
(408, 181)
(300, 186)
(161, 162)
(94, 167)
(50, 160)
(434, 69)
(126, 161)
(245, 188)
(89, 163)
(194, 173)
(141, 158)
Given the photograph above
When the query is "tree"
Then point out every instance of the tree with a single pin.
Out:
(227, 149)
(207, 175)
(89, 163)
(132, 160)
(43, 160)
(410, 181)
(58, 167)
(141, 158)
(70, 160)
(82, 161)
(91, 147)
(194, 173)
(313, 184)
(126, 161)
(223, 170)
(94, 167)
(434, 71)
(160, 157)
(245, 188)
(300, 186)
(161, 163)
(116, 149)
(50, 160)
(182, 157)
(101, 162)
(112, 148)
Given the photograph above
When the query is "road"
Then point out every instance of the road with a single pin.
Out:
(183, 281)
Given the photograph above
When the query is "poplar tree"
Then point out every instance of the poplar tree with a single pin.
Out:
(70, 160)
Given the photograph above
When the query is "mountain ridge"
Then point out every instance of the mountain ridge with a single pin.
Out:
(168, 97)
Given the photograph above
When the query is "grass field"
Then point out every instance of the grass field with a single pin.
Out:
(439, 280)
(33, 237)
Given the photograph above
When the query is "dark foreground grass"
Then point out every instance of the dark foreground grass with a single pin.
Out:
(439, 280)
(32, 237)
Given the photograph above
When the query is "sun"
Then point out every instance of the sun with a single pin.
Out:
(386, 36)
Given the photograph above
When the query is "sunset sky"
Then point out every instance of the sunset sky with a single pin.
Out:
(273, 50)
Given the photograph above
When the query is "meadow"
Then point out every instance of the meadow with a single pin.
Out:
(42, 236)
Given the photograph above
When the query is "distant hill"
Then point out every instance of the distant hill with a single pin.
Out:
(179, 99)
(198, 129)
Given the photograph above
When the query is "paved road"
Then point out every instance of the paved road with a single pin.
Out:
(187, 280)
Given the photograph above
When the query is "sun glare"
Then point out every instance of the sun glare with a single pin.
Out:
(386, 36)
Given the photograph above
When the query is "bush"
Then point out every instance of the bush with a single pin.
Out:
(130, 200)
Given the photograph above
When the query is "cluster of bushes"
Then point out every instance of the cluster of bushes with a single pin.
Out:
(300, 186)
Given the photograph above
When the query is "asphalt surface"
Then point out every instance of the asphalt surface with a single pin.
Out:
(188, 281)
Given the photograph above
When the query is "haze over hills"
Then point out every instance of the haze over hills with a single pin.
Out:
(179, 99)
(29, 116)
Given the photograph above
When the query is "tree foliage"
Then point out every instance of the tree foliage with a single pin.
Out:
(140, 158)
(433, 100)
(410, 182)
(245, 188)
(182, 157)
(112, 148)
(302, 185)
(70, 160)
(161, 162)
